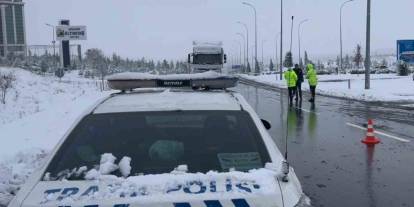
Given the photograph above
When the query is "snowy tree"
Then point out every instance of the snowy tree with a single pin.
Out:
(384, 63)
(307, 61)
(248, 69)
(44, 66)
(338, 61)
(288, 62)
(358, 59)
(300, 63)
(6, 83)
(271, 66)
(347, 62)
(97, 61)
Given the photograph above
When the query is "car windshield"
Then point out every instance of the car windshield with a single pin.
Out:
(157, 142)
(210, 59)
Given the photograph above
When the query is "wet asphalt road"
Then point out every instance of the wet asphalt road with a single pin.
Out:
(334, 167)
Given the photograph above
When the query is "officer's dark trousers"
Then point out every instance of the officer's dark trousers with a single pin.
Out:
(292, 91)
(299, 90)
(313, 91)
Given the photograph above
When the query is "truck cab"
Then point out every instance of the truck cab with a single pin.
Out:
(207, 56)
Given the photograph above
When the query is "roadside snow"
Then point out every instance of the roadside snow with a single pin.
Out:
(39, 110)
(15, 171)
(384, 87)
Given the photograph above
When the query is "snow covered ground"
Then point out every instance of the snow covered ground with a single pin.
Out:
(384, 87)
(38, 111)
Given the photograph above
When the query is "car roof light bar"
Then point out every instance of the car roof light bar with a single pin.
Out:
(207, 80)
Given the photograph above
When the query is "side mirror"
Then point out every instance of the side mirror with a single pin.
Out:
(189, 58)
(266, 124)
(225, 58)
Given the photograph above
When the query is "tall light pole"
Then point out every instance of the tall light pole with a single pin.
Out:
(244, 55)
(240, 52)
(255, 36)
(340, 33)
(300, 24)
(276, 60)
(368, 47)
(247, 41)
(281, 41)
(263, 41)
(54, 43)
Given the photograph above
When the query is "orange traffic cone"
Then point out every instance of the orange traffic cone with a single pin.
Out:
(370, 138)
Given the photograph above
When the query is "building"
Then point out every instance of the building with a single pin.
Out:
(12, 28)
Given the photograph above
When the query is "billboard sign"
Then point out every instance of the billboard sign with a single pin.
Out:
(65, 33)
(405, 51)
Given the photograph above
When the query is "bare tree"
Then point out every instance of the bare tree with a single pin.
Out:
(6, 83)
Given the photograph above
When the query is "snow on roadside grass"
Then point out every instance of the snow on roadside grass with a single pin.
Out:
(43, 111)
(33, 93)
(38, 111)
(15, 171)
(384, 87)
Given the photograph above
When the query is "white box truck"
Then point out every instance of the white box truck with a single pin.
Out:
(207, 56)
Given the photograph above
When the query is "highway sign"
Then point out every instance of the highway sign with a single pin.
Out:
(70, 33)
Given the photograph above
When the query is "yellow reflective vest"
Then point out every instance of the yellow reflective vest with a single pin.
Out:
(311, 75)
(291, 78)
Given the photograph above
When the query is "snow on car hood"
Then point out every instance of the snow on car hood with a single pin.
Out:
(257, 188)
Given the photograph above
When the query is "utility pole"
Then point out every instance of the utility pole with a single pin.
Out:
(247, 42)
(244, 49)
(368, 47)
(291, 39)
(263, 41)
(340, 33)
(281, 40)
(276, 53)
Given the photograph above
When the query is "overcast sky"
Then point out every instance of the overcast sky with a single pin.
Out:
(166, 28)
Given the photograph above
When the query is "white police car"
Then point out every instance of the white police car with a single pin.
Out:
(170, 143)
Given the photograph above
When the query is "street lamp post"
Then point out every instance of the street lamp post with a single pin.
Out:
(247, 42)
(368, 47)
(244, 49)
(54, 43)
(263, 41)
(255, 36)
(276, 54)
(240, 51)
(281, 41)
(300, 24)
(340, 32)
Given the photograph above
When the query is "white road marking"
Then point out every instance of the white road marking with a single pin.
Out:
(379, 132)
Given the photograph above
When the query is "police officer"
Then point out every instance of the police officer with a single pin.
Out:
(299, 74)
(313, 81)
(291, 79)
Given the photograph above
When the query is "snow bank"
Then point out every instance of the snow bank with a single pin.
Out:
(40, 109)
(33, 93)
(384, 87)
(15, 171)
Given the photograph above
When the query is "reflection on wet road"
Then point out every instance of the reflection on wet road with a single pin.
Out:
(334, 167)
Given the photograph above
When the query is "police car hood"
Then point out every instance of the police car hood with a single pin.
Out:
(258, 188)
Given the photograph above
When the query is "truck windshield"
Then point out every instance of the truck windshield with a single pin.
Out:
(157, 142)
(209, 59)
